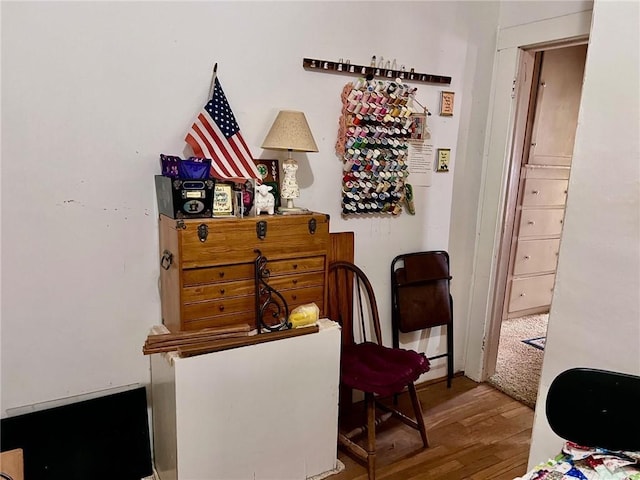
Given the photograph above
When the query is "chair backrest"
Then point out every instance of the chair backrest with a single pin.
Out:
(595, 408)
(352, 302)
(420, 290)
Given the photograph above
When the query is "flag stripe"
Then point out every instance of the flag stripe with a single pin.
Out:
(199, 145)
(219, 170)
(205, 145)
(226, 161)
(246, 159)
(215, 134)
(222, 169)
(197, 149)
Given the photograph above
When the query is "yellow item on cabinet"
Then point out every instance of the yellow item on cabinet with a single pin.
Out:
(304, 315)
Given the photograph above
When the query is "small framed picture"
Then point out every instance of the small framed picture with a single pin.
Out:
(269, 170)
(446, 104)
(223, 200)
(419, 127)
(443, 158)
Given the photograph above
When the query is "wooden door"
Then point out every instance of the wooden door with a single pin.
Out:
(557, 103)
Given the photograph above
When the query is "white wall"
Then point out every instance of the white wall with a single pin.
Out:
(595, 315)
(93, 92)
(516, 12)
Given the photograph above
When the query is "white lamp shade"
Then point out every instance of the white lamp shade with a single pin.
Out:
(290, 131)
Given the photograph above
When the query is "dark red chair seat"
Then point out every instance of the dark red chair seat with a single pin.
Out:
(373, 368)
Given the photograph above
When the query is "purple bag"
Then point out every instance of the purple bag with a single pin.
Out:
(191, 169)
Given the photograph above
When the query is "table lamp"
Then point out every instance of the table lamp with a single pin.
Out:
(290, 131)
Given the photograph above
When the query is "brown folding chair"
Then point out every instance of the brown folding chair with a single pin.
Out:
(368, 366)
(421, 298)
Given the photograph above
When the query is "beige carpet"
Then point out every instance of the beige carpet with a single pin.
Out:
(518, 368)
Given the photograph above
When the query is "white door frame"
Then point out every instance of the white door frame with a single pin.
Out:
(496, 170)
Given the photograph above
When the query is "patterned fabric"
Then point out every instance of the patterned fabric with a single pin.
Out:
(587, 463)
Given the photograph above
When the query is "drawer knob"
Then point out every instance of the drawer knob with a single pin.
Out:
(531, 222)
(523, 294)
(295, 282)
(295, 297)
(527, 257)
(221, 274)
(221, 308)
(222, 291)
(535, 192)
(295, 266)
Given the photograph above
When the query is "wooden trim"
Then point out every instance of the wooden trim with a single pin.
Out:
(227, 344)
(423, 385)
(573, 27)
(528, 66)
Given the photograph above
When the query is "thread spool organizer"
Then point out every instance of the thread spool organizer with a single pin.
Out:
(373, 139)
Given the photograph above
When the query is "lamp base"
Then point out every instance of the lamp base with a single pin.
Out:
(293, 210)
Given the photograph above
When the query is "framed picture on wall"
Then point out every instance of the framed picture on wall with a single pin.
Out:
(419, 127)
(443, 159)
(446, 104)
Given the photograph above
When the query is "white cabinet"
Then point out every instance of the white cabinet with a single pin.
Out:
(265, 411)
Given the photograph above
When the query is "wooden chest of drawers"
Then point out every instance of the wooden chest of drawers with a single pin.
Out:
(207, 274)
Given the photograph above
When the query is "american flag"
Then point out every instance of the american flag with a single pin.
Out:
(216, 135)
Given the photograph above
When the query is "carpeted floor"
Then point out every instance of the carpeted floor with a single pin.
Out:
(518, 368)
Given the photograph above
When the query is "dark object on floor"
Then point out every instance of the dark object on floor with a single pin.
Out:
(538, 342)
(421, 298)
(595, 408)
(369, 366)
(102, 438)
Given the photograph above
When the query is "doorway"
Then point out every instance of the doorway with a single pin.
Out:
(547, 98)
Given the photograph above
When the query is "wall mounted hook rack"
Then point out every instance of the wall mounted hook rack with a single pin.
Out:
(327, 66)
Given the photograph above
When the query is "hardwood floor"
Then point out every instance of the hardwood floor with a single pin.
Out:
(475, 432)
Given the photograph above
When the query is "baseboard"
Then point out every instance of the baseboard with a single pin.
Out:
(427, 383)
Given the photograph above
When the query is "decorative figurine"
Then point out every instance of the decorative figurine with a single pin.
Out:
(264, 200)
